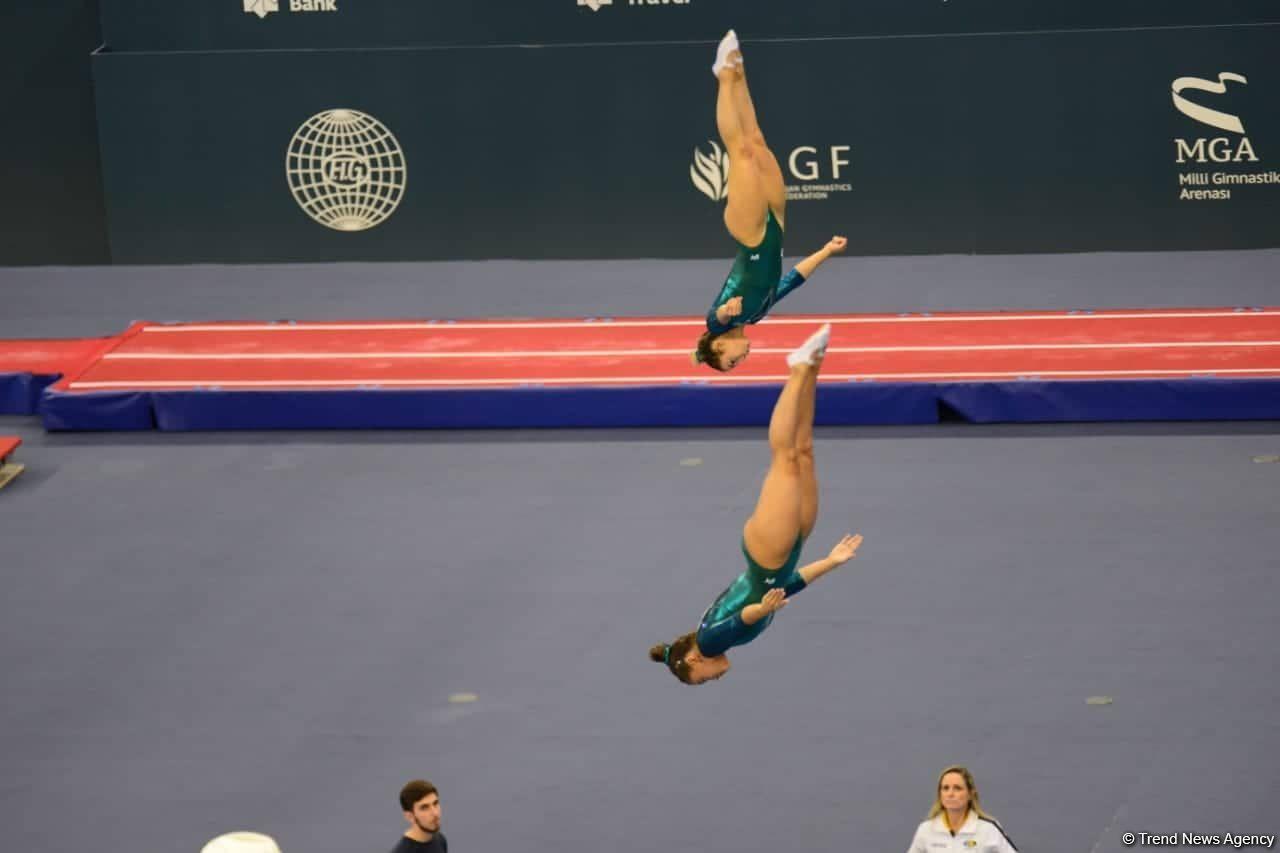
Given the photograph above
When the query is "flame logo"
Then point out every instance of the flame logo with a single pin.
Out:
(710, 173)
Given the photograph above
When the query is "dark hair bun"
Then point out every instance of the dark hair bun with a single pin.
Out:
(658, 653)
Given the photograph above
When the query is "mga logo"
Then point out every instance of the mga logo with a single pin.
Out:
(1220, 149)
(1204, 115)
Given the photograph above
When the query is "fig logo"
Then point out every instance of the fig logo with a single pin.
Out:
(710, 172)
(1221, 149)
(261, 8)
(346, 170)
(594, 5)
(1204, 115)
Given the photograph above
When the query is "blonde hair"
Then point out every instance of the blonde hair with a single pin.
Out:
(975, 804)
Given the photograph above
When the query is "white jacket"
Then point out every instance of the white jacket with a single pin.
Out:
(978, 835)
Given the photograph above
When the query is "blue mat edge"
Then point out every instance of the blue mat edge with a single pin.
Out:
(20, 392)
(691, 404)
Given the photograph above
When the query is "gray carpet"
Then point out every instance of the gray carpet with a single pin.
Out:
(88, 301)
(201, 633)
(264, 631)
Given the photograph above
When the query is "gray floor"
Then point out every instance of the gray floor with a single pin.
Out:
(70, 302)
(202, 633)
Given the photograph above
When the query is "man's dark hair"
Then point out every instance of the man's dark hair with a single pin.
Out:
(414, 791)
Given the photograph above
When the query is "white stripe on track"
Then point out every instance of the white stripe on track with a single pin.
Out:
(305, 356)
(655, 380)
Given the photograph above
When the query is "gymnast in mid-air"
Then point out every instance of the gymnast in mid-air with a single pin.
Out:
(755, 216)
(772, 537)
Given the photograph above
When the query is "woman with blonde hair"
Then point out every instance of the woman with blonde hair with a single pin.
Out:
(957, 821)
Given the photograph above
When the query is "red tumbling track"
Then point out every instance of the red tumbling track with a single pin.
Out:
(1166, 344)
(51, 357)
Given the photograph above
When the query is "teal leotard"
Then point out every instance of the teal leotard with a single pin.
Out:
(722, 627)
(756, 277)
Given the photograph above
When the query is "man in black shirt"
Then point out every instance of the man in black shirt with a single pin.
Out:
(421, 804)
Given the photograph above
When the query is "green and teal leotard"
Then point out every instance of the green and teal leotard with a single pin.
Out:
(756, 277)
(722, 627)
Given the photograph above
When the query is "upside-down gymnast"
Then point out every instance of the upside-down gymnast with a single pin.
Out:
(755, 217)
(772, 537)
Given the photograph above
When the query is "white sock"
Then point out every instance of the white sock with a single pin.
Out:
(728, 45)
(814, 346)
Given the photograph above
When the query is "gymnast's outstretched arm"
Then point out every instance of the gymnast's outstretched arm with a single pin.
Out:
(844, 551)
(801, 272)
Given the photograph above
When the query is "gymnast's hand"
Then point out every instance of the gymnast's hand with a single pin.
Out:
(773, 601)
(836, 245)
(845, 549)
(730, 309)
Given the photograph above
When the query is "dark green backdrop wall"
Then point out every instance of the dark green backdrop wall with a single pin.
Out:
(584, 128)
(50, 180)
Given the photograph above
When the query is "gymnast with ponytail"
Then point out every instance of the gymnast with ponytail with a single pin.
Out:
(771, 538)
